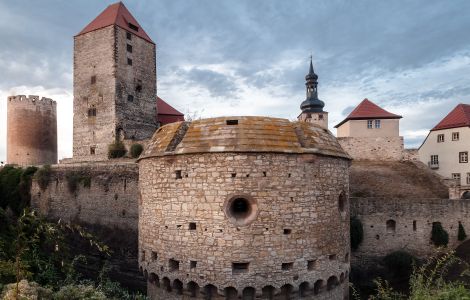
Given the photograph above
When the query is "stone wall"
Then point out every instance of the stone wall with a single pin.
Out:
(31, 130)
(413, 219)
(295, 234)
(103, 194)
(373, 148)
(411, 154)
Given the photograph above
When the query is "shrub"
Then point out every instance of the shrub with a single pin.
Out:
(116, 150)
(461, 235)
(136, 150)
(79, 292)
(357, 232)
(74, 178)
(439, 236)
(43, 176)
(10, 178)
(399, 263)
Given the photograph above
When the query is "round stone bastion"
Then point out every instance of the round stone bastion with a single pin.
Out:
(244, 208)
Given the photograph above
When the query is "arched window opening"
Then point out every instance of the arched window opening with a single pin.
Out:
(166, 284)
(318, 287)
(178, 287)
(193, 289)
(332, 283)
(466, 195)
(153, 279)
(249, 293)
(268, 292)
(210, 292)
(286, 291)
(230, 293)
(304, 289)
(391, 226)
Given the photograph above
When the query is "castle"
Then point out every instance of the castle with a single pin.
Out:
(230, 207)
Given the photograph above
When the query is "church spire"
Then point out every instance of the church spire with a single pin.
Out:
(312, 103)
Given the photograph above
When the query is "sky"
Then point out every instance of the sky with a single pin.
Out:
(250, 57)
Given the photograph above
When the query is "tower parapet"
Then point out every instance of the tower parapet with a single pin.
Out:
(31, 130)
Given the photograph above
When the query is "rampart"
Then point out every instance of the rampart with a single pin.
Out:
(98, 194)
(373, 148)
(392, 224)
(31, 130)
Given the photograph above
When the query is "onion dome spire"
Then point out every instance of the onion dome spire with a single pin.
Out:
(312, 103)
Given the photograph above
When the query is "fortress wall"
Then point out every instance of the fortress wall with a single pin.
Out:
(111, 199)
(413, 217)
(373, 148)
(31, 130)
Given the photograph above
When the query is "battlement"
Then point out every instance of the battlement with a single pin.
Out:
(32, 98)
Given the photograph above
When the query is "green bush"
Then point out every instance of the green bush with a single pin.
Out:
(15, 186)
(74, 178)
(136, 150)
(43, 176)
(400, 263)
(461, 235)
(439, 236)
(79, 292)
(116, 150)
(357, 232)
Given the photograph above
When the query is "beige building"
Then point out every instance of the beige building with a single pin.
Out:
(447, 146)
(370, 132)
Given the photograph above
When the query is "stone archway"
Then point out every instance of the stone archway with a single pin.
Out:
(466, 195)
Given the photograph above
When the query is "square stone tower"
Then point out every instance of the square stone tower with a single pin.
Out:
(114, 84)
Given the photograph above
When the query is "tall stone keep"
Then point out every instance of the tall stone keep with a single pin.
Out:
(114, 84)
(312, 107)
(31, 130)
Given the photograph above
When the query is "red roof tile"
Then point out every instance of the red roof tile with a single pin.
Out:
(368, 110)
(166, 113)
(458, 117)
(116, 14)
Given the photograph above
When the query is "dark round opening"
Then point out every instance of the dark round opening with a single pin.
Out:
(240, 208)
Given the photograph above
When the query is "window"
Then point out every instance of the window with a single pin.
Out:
(129, 36)
(238, 268)
(369, 124)
(320, 117)
(130, 98)
(92, 150)
(455, 136)
(434, 159)
(129, 48)
(178, 174)
(468, 178)
(138, 87)
(92, 112)
(463, 157)
(440, 138)
(456, 176)
(133, 27)
(377, 123)
(93, 79)
(231, 122)
(173, 265)
(391, 225)
(311, 264)
(192, 226)
(192, 264)
(287, 266)
(129, 61)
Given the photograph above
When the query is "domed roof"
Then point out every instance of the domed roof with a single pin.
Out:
(243, 134)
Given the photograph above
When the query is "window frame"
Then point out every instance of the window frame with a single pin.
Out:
(434, 159)
(377, 124)
(456, 176)
(440, 138)
(369, 124)
(129, 48)
(129, 61)
(128, 36)
(455, 136)
(463, 157)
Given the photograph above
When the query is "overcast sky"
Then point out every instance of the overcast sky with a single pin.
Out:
(250, 57)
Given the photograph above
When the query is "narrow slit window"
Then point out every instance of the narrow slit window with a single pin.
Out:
(93, 79)
(129, 36)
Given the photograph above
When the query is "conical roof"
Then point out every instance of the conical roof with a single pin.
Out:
(117, 14)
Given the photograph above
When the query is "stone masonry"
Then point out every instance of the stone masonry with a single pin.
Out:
(373, 148)
(31, 130)
(244, 206)
(114, 90)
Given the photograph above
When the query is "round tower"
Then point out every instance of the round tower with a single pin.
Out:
(244, 208)
(31, 130)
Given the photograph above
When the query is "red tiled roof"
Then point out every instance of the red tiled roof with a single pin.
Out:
(166, 113)
(458, 117)
(116, 14)
(368, 110)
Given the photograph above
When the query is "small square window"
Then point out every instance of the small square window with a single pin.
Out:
(311, 264)
(130, 98)
(93, 79)
(377, 123)
(287, 266)
(129, 61)
(192, 264)
(192, 226)
(178, 174)
(369, 124)
(287, 231)
(463, 157)
(129, 48)
(320, 117)
(154, 255)
(173, 265)
(456, 176)
(92, 150)
(332, 256)
(455, 136)
(440, 138)
(138, 88)
(129, 36)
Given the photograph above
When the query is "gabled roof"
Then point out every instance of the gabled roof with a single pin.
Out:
(164, 108)
(458, 117)
(117, 14)
(368, 110)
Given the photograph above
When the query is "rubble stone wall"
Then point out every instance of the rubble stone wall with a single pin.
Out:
(373, 148)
